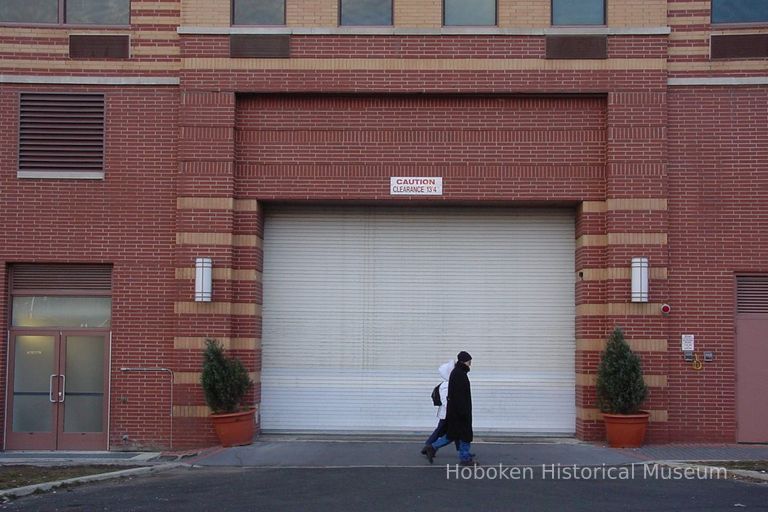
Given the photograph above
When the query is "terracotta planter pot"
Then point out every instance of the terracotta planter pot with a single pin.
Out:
(235, 429)
(626, 430)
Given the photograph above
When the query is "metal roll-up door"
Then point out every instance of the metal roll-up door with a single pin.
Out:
(362, 304)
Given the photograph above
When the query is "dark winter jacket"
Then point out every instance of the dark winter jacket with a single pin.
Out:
(458, 419)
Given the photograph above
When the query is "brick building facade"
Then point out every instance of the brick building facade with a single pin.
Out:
(656, 148)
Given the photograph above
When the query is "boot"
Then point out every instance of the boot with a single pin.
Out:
(430, 453)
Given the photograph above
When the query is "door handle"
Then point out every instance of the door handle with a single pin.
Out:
(50, 389)
(63, 392)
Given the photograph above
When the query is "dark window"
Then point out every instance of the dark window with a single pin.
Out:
(260, 46)
(87, 46)
(577, 47)
(258, 12)
(578, 12)
(739, 11)
(739, 46)
(365, 12)
(74, 12)
(469, 12)
(61, 135)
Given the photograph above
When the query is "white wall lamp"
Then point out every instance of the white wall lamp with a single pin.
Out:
(639, 279)
(203, 279)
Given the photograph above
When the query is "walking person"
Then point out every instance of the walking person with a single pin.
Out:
(458, 417)
(445, 374)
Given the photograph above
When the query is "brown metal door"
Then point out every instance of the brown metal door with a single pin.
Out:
(33, 391)
(751, 378)
(82, 416)
(57, 397)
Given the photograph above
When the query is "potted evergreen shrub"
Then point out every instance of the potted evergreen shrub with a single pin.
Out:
(621, 391)
(226, 384)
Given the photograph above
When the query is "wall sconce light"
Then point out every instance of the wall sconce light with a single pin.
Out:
(639, 279)
(203, 279)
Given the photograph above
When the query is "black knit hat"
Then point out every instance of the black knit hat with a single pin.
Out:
(463, 357)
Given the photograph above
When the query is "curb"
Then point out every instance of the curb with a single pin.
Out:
(18, 492)
(744, 473)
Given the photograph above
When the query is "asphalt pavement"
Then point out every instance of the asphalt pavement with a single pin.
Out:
(348, 474)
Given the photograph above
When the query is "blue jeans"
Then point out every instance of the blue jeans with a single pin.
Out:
(437, 433)
(463, 447)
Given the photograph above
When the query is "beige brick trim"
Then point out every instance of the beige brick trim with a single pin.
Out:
(191, 411)
(156, 6)
(312, 13)
(140, 51)
(246, 241)
(688, 6)
(198, 411)
(636, 204)
(603, 274)
(246, 205)
(222, 274)
(688, 50)
(738, 65)
(521, 14)
(592, 274)
(632, 13)
(418, 14)
(591, 241)
(619, 309)
(194, 377)
(156, 20)
(36, 33)
(32, 49)
(688, 36)
(589, 414)
(218, 239)
(637, 238)
(687, 20)
(96, 65)
(204, 203)
(423, 64)
(198, 343)
(621, 239)
(598, 345)
(204, 238)
(217, 308)
(207, 12)
(593, 207)
(153, 36)
(653, 381)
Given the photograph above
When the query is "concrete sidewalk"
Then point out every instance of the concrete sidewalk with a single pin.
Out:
(64, 458)
(298, 452)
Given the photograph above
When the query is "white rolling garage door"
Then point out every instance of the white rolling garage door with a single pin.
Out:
(361, 306)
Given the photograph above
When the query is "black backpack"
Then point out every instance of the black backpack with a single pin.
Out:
(436, 396)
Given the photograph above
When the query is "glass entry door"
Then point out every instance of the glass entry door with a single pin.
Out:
(57, 390)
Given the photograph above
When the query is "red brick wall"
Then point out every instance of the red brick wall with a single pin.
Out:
(128, 220)
(486, 148)
(703, 148)
(718, 225)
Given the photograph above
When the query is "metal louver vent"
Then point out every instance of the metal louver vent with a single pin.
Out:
(73, 277)
(752, 294)
(61, 136)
